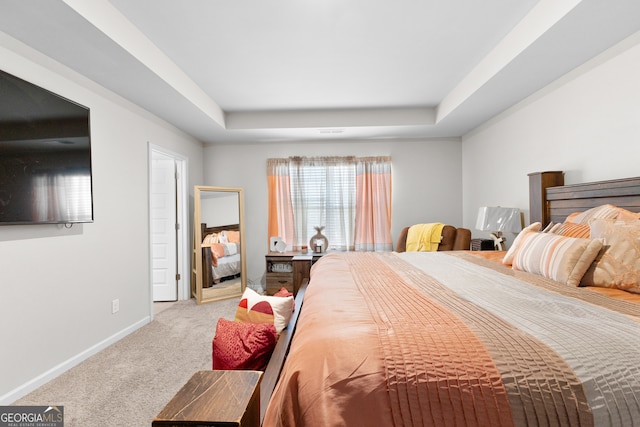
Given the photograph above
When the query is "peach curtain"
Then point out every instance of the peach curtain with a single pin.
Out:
(373, 204)
(280, 208)
(360, 187)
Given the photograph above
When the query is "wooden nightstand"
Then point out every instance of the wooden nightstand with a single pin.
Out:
(288, 270)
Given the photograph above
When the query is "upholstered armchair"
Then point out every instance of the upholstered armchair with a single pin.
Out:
(453, 239)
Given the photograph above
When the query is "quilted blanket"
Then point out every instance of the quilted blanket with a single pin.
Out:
(447, 339)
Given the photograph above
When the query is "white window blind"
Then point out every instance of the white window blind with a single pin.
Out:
(323, 194)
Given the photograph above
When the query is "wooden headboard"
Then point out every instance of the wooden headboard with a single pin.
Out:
(566, 199)
(218, 228)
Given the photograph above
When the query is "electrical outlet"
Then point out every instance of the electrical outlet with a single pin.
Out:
(115, 306)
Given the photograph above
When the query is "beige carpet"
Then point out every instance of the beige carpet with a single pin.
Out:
(128, 383)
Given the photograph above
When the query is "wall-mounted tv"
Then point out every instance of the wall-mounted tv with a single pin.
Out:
(45, 156)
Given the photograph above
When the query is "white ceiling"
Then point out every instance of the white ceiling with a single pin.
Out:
(303, 70)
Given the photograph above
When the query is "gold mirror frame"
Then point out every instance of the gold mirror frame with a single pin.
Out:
(202, 294)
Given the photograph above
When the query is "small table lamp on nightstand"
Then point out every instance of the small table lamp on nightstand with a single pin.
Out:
(497, 220)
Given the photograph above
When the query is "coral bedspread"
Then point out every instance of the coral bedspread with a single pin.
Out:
(447, 338)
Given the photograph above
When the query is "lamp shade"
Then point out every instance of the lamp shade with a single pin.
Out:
(499, 219)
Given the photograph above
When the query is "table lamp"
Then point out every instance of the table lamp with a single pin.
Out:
(497, 220)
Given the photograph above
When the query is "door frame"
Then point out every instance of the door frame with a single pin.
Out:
(182, 218)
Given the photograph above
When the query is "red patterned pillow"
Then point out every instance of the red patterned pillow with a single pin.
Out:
(243, 346)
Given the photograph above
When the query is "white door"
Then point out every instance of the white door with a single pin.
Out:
(164, 233)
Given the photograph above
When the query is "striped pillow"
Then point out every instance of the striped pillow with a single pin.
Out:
(531, 228)
(602, 212)
(599, 212)
(569, 229)
(563, 259)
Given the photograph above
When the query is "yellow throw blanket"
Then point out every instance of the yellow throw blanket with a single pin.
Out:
(424, 237)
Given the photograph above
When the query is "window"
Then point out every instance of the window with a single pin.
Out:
(349, 196)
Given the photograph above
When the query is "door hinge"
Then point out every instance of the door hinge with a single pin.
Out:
(177, 226)
(178, 277)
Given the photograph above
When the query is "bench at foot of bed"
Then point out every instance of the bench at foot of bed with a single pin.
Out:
(215, 398)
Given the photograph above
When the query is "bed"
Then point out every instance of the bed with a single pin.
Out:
(221, 253)
(460, 338)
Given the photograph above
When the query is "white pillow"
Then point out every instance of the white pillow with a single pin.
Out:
(257, 308)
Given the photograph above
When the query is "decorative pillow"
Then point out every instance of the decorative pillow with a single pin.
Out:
(552, 229)
(618, 264)
(599, 212)
(570, 229)
(217, 249)
(284, 292)
(602, 212)
(549, 227)
(257, 308)
(531, 228)
(210, 238)
(233, 236)
(222, 237)
(243, 346)
(625, 215)
(563, 259)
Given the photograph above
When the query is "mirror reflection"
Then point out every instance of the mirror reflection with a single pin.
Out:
(219, 248)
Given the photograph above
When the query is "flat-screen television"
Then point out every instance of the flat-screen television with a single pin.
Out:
(45, 156)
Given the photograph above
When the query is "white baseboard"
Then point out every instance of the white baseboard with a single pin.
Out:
(58, 370)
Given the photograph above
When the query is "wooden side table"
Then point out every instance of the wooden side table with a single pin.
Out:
(301, 270)
(482, 245)
(288, 269)
(204, 401)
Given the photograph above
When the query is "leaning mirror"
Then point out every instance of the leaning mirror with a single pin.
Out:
(218, 256)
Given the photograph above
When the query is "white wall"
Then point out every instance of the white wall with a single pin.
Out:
(57, 284)
(587, 124)
(426, 182)
(219, 208)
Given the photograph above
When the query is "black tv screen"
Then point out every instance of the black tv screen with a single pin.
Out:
(45, 156)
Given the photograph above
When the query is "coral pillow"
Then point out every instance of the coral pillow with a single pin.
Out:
(243, 346)
(569, 229)
(233, 236)
(618, 265)
(564, 259)
(257, 308)
(283, 292)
